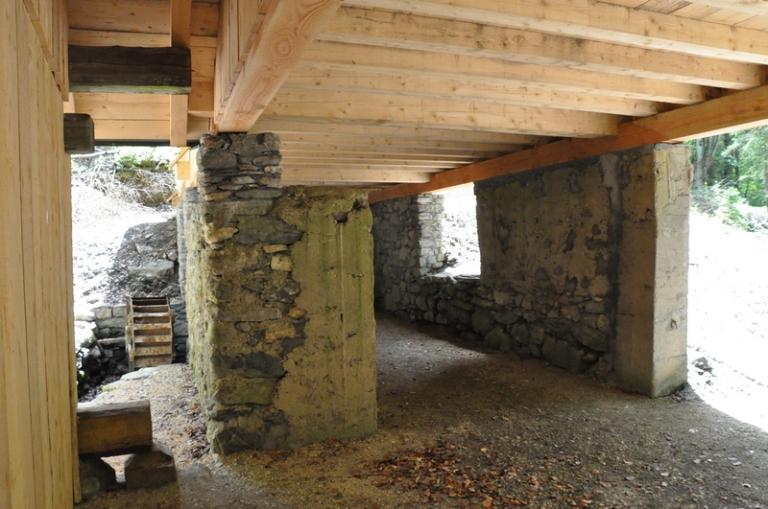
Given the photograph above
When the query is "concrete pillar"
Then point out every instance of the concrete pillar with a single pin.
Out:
(651, 321)
(279, 290)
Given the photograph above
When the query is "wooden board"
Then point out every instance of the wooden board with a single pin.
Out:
(36, 332)
(110, 430)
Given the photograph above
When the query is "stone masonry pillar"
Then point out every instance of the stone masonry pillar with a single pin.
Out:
(279, 291)
(652, 277)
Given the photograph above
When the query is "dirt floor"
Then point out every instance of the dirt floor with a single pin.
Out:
(465, 427)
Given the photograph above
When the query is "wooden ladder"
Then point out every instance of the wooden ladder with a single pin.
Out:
(149, 332)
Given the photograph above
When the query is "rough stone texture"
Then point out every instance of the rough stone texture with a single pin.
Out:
(562, 249)
(95, 476)
(150, 469)
(279, 301)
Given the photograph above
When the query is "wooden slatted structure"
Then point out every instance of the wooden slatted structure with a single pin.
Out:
(149, 332)
(37, 366)
(367, 92)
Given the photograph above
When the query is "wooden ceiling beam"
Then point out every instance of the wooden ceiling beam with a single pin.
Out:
(287, 28)
(736, 111)
(118, 69)
(319, 150)
(329, 56)
(465, 89)
(600, 21)
(747, 7)
(409, 31)
(139, 17)
(439, 113)
(295, 143)
(366, 130)
(180, 14)
(294, 176)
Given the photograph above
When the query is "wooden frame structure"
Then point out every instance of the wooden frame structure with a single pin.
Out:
(401, 96)
(376, 92)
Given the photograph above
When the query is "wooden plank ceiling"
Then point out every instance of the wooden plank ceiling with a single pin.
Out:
(394, 91)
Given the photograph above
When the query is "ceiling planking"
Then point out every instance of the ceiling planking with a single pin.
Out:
(400, 91)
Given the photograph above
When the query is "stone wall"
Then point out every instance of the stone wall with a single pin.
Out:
(279, 301)
(558, 248)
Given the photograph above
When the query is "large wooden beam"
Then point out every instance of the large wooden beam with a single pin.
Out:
(330, 56)
(78, 133)
(309, 176)
(349, 129)
(410, 31)
(287, 28)
(736, 111)
(594, 20)
(465, 89)
(440, 113)
(119, 428)
(130, 70)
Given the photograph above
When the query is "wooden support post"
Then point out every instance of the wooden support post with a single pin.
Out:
(130, 70)
(78, 133)
(110, 430)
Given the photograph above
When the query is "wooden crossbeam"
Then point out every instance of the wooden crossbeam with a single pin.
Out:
(350, 128)
(465, 89)
(736, 111)
(408, 31)
(130, 70)
(329, 56)
(594, 20)
(78, 133)
(308, 176)
(288, 26)
(440, 113)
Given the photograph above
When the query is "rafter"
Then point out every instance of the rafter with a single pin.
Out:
(465, 89)
(438, 113)
(594, 20)
(736, 111)
(408, 31)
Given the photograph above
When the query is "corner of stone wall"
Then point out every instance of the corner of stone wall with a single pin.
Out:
(252, 336)
(651, 335)
(583, 265)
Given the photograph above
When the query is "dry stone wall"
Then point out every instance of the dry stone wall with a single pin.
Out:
(278, 285)
(551, 245)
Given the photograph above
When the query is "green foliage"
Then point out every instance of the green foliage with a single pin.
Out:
(729, 205)
(735, 168)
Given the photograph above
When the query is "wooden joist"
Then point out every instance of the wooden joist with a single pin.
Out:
(466, 89)
(78, 133)
(440, 113)
(287, 28)
(130, 70)
(736, 111)
(408, 31)
(309, 176)
(601, 21)
(330, 56)
(113, 429)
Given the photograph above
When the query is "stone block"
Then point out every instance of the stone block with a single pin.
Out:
(157, 269)
(102, 312)
(96, 476)
(150, 469)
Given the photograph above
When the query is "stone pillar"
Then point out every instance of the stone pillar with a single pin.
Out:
(279, 301)
(651, 330)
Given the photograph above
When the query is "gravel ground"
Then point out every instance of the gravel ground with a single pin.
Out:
(728, 318)
(469, 428)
